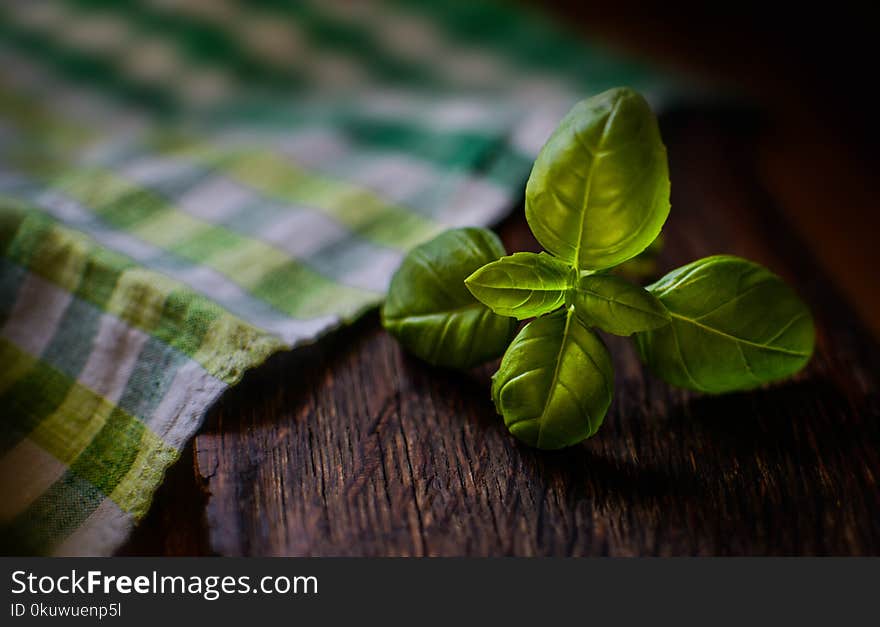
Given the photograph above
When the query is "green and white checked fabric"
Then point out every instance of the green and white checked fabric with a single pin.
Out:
(188, 187)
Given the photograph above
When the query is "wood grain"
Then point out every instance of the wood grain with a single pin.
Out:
(350, 447)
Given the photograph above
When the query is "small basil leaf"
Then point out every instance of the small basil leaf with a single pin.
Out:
(555, 382)
(617, 306)
(431, 312)
(523, 285)
(735, 325)
(598, 193)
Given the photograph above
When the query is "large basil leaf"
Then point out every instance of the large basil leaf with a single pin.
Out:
(431, 312)
(735, 325)
(555, 382)
(616, 305)
(523, 285)
(598, 193)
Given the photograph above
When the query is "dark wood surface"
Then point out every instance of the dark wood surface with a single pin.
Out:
(351, 447)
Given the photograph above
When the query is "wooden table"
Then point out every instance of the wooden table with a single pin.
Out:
(351, 447)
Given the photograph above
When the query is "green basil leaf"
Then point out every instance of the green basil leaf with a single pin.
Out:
(598, 193)
(555, 382)
(523, 285)
(431, 312)
(735, 325)
(616, 305)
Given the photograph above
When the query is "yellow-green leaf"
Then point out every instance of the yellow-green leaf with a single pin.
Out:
(616, 305)
(523, 285)
(555, 382)
(735, 325)
(598, 193)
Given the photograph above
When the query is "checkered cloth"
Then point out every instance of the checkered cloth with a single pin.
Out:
(188, 187)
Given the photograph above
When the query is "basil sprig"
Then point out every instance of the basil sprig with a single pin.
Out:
(598, 196)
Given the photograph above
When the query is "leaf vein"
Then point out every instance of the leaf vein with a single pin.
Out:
(734, 338)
